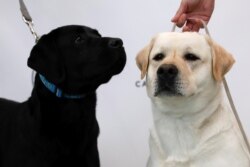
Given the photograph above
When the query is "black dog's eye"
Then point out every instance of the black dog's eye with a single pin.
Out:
(79, 40)
(191, 57)
(158, 57)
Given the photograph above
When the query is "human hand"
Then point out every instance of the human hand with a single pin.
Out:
(191, 12)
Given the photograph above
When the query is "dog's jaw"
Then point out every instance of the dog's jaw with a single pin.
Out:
(190, 100)
(185, 107)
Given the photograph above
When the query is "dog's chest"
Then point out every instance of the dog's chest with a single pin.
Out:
(176, 137)
(174, 143)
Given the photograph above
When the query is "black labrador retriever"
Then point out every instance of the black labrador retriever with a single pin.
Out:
(57, 126)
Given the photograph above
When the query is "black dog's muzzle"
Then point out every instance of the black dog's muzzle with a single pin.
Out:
(115, 43)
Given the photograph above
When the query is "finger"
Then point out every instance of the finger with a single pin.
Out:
(181, 21)
(189, 28)
(186, 28)
(196, 27)
(196, 21)
(193, 25)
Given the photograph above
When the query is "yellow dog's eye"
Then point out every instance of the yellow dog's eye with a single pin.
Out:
(158, 57)
(191, 57)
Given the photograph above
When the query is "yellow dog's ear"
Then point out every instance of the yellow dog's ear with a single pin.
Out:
(142, 58)
(222, 60)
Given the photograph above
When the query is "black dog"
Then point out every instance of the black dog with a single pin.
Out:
(57, 126)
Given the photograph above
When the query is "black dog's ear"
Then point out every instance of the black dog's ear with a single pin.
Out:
(45, 59)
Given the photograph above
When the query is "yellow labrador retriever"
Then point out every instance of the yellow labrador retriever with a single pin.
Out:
(193, 124)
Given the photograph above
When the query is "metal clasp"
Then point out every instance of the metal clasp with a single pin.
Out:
(31, 27)
(27, 19)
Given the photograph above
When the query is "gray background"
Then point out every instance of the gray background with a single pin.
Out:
(123, 110)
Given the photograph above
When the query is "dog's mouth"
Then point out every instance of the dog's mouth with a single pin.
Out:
(166, 91)
(167, 88)
(112, 69)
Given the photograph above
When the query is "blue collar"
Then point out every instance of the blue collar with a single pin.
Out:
(58, 92)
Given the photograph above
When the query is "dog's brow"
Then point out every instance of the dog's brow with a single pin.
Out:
(188, 48)
(162, 49)
(174, 55)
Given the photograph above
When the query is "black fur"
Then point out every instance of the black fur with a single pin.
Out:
(48, 131)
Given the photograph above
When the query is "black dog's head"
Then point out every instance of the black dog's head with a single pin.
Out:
(77, 59)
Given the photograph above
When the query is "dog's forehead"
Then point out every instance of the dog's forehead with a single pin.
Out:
(76, 30)
(180, 40)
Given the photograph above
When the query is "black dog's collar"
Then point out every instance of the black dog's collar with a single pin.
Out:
(58, 92)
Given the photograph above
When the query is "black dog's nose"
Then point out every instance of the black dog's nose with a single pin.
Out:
(167, 72)
(115, 43)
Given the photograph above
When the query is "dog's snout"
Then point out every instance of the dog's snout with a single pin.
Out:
(167, 71)
(115, 43)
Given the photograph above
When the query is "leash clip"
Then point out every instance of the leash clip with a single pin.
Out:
(31, 28)
(28, 20)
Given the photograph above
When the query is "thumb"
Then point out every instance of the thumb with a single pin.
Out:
(182, 9)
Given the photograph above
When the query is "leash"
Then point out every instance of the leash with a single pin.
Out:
(229, 96)
(29, 22)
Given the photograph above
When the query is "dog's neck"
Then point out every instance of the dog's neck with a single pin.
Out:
(45, 91)
(54, 112)
(179, 134)
(57, 91)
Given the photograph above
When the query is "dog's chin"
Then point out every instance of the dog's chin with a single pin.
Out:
(167, 92)
(108, 73)
(114, 69)
(119, 65)
(173, 92)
